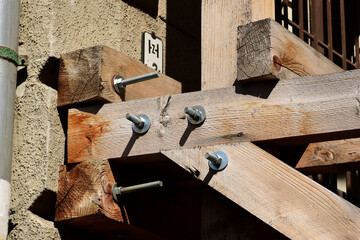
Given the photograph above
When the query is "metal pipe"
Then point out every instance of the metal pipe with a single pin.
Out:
(9, 31)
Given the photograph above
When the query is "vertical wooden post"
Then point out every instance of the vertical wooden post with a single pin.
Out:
(219, 21)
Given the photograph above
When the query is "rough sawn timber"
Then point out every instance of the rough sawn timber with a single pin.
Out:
(219, 20)
(86, 75)
(331, 156)
(85, 201)
(295, 108)
(267, 50)
(274, 192)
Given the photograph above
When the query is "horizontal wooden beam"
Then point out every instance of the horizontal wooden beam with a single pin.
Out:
(90, 185)
(295, 108)
(331, 156)
(280, 196)
(265, 49)
(85, 202)
(86, 75)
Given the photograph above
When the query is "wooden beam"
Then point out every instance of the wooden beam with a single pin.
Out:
(265, 49)
(295, 108)
(85, 202)
(262, 9)
(274, 192)
(219, 20)
(332, 156)
(86, 75)
(85, 190)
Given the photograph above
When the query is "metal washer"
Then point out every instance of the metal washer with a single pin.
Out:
(201, 118)
(224, 161)
(145, 128)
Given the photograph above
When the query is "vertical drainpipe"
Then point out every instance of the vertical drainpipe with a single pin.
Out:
(9, 27)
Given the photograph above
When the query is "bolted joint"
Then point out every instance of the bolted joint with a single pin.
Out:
(120, 83)
(196, 115)
(141, 123)
(119, 191)
(217, 160)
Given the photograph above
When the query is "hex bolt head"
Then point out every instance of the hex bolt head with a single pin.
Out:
(141, 123)
(195, 115)
(217, 160)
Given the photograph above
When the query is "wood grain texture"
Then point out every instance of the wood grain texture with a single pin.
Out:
(262, 9)
(280, 196)
(219, 20)
(85, 202)
(332, 156)
(295, 108)
(86, 75)
(85, 190)
(265, 49)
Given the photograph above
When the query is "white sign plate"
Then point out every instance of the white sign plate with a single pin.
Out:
(152, 51)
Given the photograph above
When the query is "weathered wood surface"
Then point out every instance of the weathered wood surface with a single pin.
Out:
(84, 201)
(86, 75)
(219, 20)
(85, 190)
(280, 196)
(262, 9)
(332, 156)
(265, 49)
(295, 108)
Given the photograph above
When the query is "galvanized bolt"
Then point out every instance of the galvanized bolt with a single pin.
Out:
(214, 158)
(217, 160)
(195, 115)
(120, 83)
(141, 123)
(119, 191)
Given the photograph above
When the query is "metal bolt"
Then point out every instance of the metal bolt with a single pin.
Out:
(137, 121)
(195, 115)
(214, 158)
(141, 123)
(119, 191)
(120, 83)
(217, 160)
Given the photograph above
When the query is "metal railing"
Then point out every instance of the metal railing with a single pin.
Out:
(331, 27)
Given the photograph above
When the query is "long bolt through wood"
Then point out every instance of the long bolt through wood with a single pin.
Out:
(119, 191)
(120, 83)
(136, 120)
(214, 158)
(193, 113)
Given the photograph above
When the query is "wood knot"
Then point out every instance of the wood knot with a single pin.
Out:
(277, 62)
(325, 155)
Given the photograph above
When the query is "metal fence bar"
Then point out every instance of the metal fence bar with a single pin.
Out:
(329, 29)
(343, 34)
(301, 19)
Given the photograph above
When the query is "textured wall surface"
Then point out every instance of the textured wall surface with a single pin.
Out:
(49, 28)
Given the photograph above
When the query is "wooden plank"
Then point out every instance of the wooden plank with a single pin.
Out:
(219, 20)
(331, 156)
(274, 192)
(262, 9)
(85, 202)
(295, 108)
(267, 50)
(86, 75)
